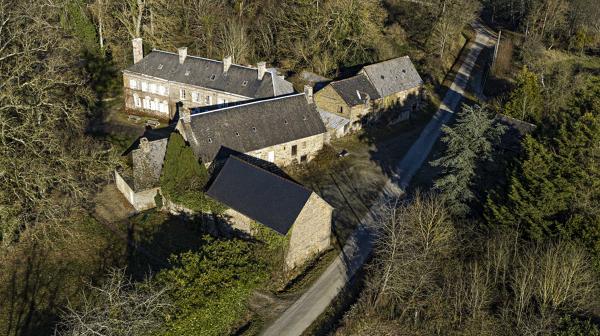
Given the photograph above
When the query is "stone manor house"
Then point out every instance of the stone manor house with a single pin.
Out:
(161, 82)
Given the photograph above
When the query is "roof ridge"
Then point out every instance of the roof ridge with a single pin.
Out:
(206, 59)
(345, 79)
(270, 173)
(248, 103)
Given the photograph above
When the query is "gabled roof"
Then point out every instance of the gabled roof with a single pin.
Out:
(355, 90)
(249, 126)
(199, 71)
(258, 194)
(393, 76)
(147, 164)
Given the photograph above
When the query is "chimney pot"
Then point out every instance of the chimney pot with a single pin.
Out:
(138, 49)
(182, 54)
(308, 92)
(144, 145)
(262, 69)
(227, 61)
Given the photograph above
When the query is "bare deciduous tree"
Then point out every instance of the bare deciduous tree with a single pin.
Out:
(119, 307)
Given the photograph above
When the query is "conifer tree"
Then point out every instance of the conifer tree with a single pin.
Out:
(526, 102)
(469, 142)
(183, 178)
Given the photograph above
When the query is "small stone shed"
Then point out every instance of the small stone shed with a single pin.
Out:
(140, 181)
(257, 195)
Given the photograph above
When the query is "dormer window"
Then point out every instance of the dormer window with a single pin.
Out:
(254, 129)
(245, 83)
(304, 118)
(382, 77)
(187, 72)
(209, 140)
(403, 70)
(285, 121)
(212, 77)
(160, 66)
(237, 133)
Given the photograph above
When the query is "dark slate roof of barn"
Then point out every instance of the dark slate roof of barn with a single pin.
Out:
(201, 69)
(251, 126)
(258, 194)
(350, 88)
(392, 76)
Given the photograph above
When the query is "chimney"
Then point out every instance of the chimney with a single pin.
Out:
(182, 54)
(308, 92)
(227, 63)
(262, 69)
(144, 145)
(186, 114)
(138, 49)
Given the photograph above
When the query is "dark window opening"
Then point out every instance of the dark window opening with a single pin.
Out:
(294, 150)
(237, 133)
(245, 83)
(253, 129)
(212, 77)
(303, 158)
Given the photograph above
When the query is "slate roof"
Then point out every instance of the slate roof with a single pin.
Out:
(354, 90)
(147, 165)
(258, 194)
(252, 125)
(332, 120)
(200, 70)
(392, 76)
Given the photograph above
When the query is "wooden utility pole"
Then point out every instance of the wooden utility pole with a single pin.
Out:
(496, 48)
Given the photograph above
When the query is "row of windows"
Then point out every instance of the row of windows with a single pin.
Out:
(151, 104)
(148, 87)
(198, 98)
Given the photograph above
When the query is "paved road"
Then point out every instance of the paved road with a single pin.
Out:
(301, 314)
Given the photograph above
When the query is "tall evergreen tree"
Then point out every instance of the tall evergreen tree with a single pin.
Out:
(525, 102)
(183, 177)
(469, 142)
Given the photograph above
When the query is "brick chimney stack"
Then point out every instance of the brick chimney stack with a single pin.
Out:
(227, 61)
(308, 92)
(262, 69)
(182, 54)
(138, 49)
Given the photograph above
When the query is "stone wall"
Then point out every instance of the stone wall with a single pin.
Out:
(282, 155)
(141, 200)
(311, 233)
(329, 100)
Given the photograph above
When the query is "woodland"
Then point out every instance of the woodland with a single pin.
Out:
(502, 241)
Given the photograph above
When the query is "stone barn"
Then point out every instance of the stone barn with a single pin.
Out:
(389, 85)
(254, 194)
(280, 130)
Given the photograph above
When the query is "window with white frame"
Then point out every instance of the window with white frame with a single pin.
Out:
(146, 103)
(144, 86)
(164, 107)
(137, 102)
(153, 105)
(208, 100)
(162, 90)
(153, 88)
(195, 97)
(133, 83)
(182, 94)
